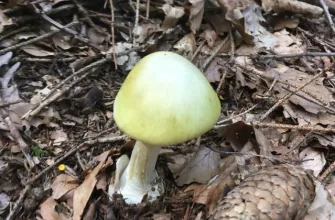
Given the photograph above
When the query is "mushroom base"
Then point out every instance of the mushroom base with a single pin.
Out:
(140, 177)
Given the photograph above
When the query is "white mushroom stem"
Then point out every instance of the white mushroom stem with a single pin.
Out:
(140, 177)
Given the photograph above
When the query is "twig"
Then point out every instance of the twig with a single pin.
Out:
(327, 173)
(212, 56)
(221, 81)
(219, 123)
(36, 39)
(69, 31)
(54, 97)
(293, 127)
(18, 203)
(42, 60)
(197, 50)
(9, 104)
(288, 95)
(137, 15)
(113, 33)
(232, 44)
(329, 19)
(148, 9)
(85, 14)
(14, 32)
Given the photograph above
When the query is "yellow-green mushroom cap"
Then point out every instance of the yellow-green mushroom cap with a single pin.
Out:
(165, 100)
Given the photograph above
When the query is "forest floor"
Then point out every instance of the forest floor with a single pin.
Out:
(62, 62)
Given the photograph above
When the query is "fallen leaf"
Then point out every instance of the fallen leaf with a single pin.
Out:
(312, 160)
(48, 211)
(83, 192)
(58, 136)
(196, 14)
(4, 20)
(172, 15)
(293, 6)
(62, 184)
(37, 51)
(4, 200)
(202, 167)
(214, 70)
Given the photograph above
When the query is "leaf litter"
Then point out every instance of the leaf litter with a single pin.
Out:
(254, 54)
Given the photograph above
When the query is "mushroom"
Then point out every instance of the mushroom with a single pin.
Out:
(164, 100)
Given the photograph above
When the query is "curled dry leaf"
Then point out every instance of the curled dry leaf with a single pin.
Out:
(4, 200)
(210, 36)
(172, 15)
(196, 14)
(58, 136)
(293, 6)
(202, 167)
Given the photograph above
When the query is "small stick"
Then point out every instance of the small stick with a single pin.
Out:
(137, 15)
(329, 19)
(36, 39)
(148, 9)
(9, 104)
(212, 56)
(113, 33)
(219, 123)
(293, 127)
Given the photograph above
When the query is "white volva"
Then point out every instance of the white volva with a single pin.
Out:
(164, 100)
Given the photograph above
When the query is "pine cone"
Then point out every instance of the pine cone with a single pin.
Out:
(278, 193)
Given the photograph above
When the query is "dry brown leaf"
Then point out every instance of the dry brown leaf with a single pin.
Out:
(172, 15)
(196, 14)
(48, 211)
(202, 167)
(287, 44)
(312, 160)
(284, 22)
(162, 216)
(61, 41)
(186, 45)
(210, 36)
(209, 194)
(323, 206)
(214, 70)
(58, 136)
(96, 38)
(37, 51)
(293, 6)
(145, 30)
(62, 184)
(4, 20)
(298, 78)
(83, 192)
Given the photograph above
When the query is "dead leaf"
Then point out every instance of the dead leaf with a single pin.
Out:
(214, 70)
(145, 30)
(298, 78)
(162, 216)
(293, 6)
(202, 167)
(62, 184)
(62, 41)
(196, 14)
(312, 160)
(284, 22)
(237, 134)
(323, 206)
(83, 192)
(58, 136)
(48, 211)
(37, 51)
(4, 20)
(210, 36)
(172, 15)
(186, 45)
(209, 194)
